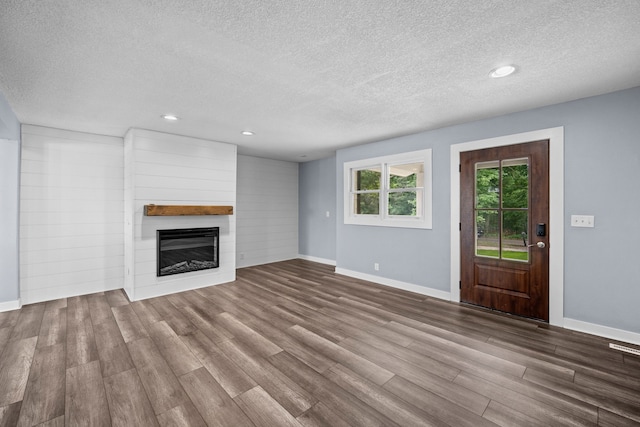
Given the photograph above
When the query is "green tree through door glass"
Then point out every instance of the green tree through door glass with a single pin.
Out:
(515, 213)
(501, 209)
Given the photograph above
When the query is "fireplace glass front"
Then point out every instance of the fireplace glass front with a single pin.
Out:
(187, 249)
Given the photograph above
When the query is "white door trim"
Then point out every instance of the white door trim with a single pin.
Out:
(556, 211)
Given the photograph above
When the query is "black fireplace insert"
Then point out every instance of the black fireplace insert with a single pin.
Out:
(187, 249)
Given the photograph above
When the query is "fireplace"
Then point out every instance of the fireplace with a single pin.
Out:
(187, 249)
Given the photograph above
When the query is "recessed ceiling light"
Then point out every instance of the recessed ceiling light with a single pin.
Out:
(170, 117)
(503, 71)
(247, 133)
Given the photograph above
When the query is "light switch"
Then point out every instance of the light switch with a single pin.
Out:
(327, 214)
(582, 221)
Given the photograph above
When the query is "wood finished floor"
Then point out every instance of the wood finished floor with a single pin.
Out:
(291, 344)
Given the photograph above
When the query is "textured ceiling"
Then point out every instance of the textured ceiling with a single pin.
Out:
(307, 77)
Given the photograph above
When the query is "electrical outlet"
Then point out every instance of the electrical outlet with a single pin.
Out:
(327, 214)
(376, 266)
(583, 221)
(241, 256)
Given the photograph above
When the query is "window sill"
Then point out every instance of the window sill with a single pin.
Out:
(420, 223)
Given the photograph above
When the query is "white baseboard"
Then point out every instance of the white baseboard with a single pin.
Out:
(260, 261)
(576, 325)
(318, 260)
(10, 305)
(66, 291)
(603, 331)
(423, 290)
(175, 286)
(129, 295)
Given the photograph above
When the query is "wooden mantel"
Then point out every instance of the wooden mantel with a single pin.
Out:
(181, 210)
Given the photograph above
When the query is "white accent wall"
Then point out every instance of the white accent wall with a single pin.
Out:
(165, 169)
(71, 214)
(9, 221)
(267, 211)
(9, 207)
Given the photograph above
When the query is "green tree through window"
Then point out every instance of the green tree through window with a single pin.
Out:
(389, 191)
(403, 202)
(367, 180)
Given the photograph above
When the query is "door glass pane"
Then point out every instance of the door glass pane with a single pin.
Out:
(514, 235)
(367, 179)
(488, 233)
(367, 203)
(515, 183)
(488, 185)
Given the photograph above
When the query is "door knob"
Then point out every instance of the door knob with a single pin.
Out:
(539, 244)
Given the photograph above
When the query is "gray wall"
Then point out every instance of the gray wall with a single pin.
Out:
(317, 196)
(266, 211)
(602, 172)
(9, 205)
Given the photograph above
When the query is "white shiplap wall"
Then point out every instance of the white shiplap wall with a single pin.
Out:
(170, 169)
(267, 211)
(71, 214)
(9, 223)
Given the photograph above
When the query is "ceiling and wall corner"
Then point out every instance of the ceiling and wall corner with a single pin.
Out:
(9, 124)
(306, 79)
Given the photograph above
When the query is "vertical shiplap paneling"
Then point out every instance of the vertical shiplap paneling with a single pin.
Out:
(129, 217)
(171, 169)
(71, 214)
(267, 211)
(9, 220)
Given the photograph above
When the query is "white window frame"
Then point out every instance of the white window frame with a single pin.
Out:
(383, 219)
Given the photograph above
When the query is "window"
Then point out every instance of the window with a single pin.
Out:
(391, 191)
(502, 209)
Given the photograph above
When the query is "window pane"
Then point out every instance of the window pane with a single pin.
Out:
(408, 175)
(515, 183)
(514, 235)
(488, 233)
(367, 204)
(488, 185)
(403, 203)
(367, 179)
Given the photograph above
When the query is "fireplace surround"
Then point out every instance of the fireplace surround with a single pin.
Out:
(185, 250)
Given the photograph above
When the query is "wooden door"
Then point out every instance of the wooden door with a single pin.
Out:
(505, 228)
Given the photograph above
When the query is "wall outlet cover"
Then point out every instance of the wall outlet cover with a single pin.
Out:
(583, 221)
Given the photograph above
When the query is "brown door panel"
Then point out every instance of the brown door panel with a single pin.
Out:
(491, 278)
